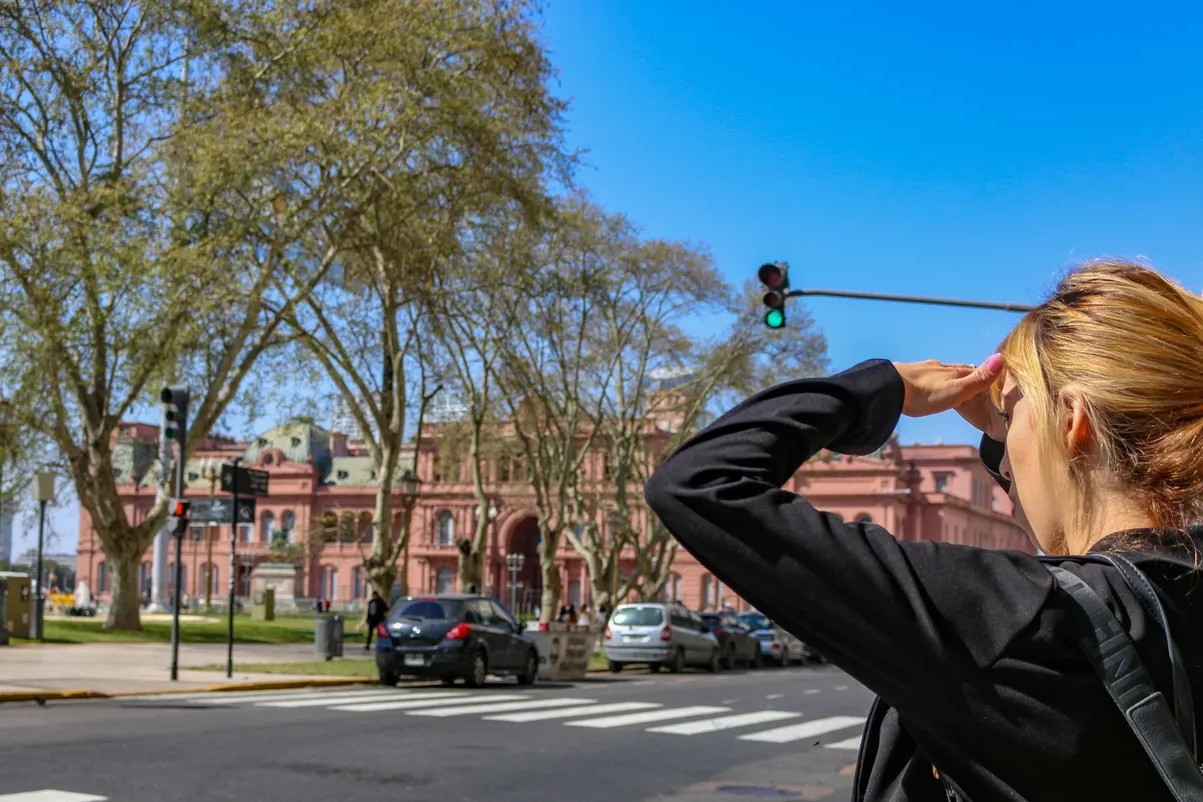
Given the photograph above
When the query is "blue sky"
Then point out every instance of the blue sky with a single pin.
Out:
(940, 149)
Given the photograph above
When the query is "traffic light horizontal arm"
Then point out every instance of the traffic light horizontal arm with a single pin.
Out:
(913, 299)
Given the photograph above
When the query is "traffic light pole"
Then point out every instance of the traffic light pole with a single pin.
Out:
(233, 572)
(912, 299)
(178, 574)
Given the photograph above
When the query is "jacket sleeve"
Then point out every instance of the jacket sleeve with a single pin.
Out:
(905, 619)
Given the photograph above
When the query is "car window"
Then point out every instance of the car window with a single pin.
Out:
(681, 619)
(638, 617)
(425, 609)
(500, 615)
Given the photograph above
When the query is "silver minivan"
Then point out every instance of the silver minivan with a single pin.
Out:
(667, 635)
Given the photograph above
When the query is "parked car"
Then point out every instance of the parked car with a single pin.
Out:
(778, 647)
(735, 641)
(658, 635)
(452, 637)
(759, 622)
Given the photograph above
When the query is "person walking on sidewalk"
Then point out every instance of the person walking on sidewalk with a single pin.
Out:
(986, 666)
(377, 610)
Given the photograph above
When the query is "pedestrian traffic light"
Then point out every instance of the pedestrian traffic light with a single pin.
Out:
(775, 277)
(180, 510)
(175, 412)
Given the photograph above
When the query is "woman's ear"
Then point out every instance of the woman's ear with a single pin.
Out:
(1077, 431)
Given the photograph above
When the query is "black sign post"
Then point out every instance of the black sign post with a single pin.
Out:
(220, 509)
(237, 480)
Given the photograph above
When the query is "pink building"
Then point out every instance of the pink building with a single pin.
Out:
(918, 492)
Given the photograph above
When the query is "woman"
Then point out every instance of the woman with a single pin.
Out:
(1098, 397)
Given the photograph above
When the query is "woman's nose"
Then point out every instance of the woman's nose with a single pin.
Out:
(1004, 468)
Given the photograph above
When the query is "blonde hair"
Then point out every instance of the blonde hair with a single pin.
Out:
(1130, 342)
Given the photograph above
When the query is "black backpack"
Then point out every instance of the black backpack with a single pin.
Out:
(1168, 737)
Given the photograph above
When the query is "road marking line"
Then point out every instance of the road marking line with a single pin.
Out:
(504, 707)
(841, 687)
(725, 722)
(48, 795)
(811, 691)
(235, 698)
(850, 743)
(405, 704)
(646, 718)
(776, 696)
(574, 712)
(807, 729)
(380, 697)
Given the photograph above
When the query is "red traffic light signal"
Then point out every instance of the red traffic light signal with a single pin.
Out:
(179, 508)
(773, 276)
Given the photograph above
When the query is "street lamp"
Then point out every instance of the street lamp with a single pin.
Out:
(410, 486)
(210, 471)
(515, 563)
(43, 491)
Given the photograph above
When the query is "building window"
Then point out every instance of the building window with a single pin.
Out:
(676, 589)
(358, 590)
(267, 522)
(287, 525)
(941, 483)
(209, 572)
(330, 583)
(444, 580)
(574, 593)
(706, 583)
(144, 578)
(445, 528)
(102, 577)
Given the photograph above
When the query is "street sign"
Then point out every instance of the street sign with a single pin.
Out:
(243, 481)
(217, 510)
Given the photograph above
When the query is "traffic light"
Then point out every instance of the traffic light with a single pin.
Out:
(180, 510)
(175, 412)
(775, 277)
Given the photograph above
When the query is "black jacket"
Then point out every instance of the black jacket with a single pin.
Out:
(971, 651)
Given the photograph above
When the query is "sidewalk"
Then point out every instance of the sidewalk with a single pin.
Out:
(115, 668)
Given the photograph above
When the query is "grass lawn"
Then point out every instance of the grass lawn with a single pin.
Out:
(344, 667)
(285, 629)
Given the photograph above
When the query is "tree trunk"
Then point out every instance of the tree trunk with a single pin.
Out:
(549, 603)
(126, 604)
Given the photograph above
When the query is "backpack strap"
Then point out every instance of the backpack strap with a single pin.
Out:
(1184, 704)
(1116, 661)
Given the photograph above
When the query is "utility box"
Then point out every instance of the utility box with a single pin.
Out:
(18, 605)
(263, 605)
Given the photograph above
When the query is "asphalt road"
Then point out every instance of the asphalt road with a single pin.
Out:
(785, 734)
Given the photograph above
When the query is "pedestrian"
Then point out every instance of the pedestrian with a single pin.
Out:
(1092, 416)
(377, 610)
(583, 618)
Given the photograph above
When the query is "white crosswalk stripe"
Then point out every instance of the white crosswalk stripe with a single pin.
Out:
(501, 708)
(573, 712)
(726, 722)
(48, 795)
(806, 729)
(529, 707)
(406, 704)
(646, 718)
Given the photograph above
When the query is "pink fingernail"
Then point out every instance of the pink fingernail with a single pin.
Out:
(993, 364)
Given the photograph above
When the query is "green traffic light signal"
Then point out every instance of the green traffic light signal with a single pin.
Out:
(774, 318)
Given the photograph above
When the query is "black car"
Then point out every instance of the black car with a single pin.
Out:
(735, 641)
(453, 636)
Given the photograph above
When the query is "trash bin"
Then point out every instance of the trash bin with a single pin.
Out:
(328, 636)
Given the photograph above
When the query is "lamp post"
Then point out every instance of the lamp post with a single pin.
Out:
(210, 471)
(515, 563)
(410, 487)
(43, 491)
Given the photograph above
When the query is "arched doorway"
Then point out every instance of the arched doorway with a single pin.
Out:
(524, 539)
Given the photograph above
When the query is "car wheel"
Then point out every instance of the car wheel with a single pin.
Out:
(388, 678)
(677, 662)
(714, 663)
(754, 663)
(528, 676)
(655, 667)
(615, 667)
(480, 670)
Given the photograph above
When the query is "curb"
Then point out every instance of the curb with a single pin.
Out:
(280, 685)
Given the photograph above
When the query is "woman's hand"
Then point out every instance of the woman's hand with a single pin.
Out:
(933, 387)
(982, 415)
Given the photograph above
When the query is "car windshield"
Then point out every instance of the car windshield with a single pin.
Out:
(425, 609)
(637, 617)
(754, 620)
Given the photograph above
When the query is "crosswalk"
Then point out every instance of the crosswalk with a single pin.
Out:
(50, 795)
(768, 726)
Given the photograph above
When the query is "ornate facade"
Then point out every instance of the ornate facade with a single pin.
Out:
(918, 492)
